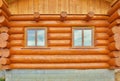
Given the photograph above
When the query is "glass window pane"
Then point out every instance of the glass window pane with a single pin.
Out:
(77, 37)
(40, 37)
(30, 37)
(87, 37)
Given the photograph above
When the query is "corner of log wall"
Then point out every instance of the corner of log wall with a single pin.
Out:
(114, 35)
(4, 36)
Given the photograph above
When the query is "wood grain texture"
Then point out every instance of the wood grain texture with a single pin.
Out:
(57, 6)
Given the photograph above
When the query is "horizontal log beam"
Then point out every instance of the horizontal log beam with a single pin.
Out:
(59, 29)
(55, 51)
(114, 16)
(61, 36)
(101, 29)
(54, 17)
(114, 8)
(114, 54)
(59, 42)
(101, 42)
(17, 43)
(61, 66)
(16, 37)
(58, 58)
(16, 30)
(98, 23)
(101, 36)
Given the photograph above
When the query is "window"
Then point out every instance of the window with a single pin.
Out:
(36, 37)
(82, 37)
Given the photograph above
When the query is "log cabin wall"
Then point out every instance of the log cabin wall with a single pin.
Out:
(114, 34)
(57, 55)
(70, 6)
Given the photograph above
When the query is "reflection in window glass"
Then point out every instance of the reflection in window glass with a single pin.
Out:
(77, 37)
(31, 38)
(87, 37)
(40, 37)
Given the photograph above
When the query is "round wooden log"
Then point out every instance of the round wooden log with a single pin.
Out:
(115, 62)
(89, 16)
(114, 54)
(114, 8)
(115, 38)
(110, 32)
(114, 16)
(116, 29)
(101, 29)
(4, 29)
(114, 23)
(16, 37)
(3, 21)
(54, 17)
(59, 42)
(5, 53)
(57, 36)
(60, 66)
(63, 15)
(16, 30)
(114, 46)
(54, 51)
(16, 43)
(3, 44)
(58, 58)
(101, 36)
(4, 36)
(36, 16)
(98, 23)
(4, 61)
(59, 29)
(101, 42)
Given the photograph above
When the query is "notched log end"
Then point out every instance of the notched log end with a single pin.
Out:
(63, 16)
(36, 16)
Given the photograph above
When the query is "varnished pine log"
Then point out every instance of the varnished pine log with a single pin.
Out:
(115, 38)
(16, 30)
(98, 23)
(101, 29)
(3, 21)
(4, 7)
(62, 36)
(115, 62)
(55, 51)
(101, 42)
(110, 32)
(114, 23)
(17, 43)
(60, 66)
(114, 16)
(63, 16)
(58, 58)
(4, 29)
(3, 44)
(4, 36)
(4, 61)
(59, 42)
(3, 13)
(5, 52)
(16, 36)
(54, 17)
(114, 46)
(36, 16)
(116, 29)
(114, 8)
(89, 16)
(59, 29)
(114, 54)
(101, 36)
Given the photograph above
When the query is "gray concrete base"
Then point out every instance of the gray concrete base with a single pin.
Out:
(60, 75)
